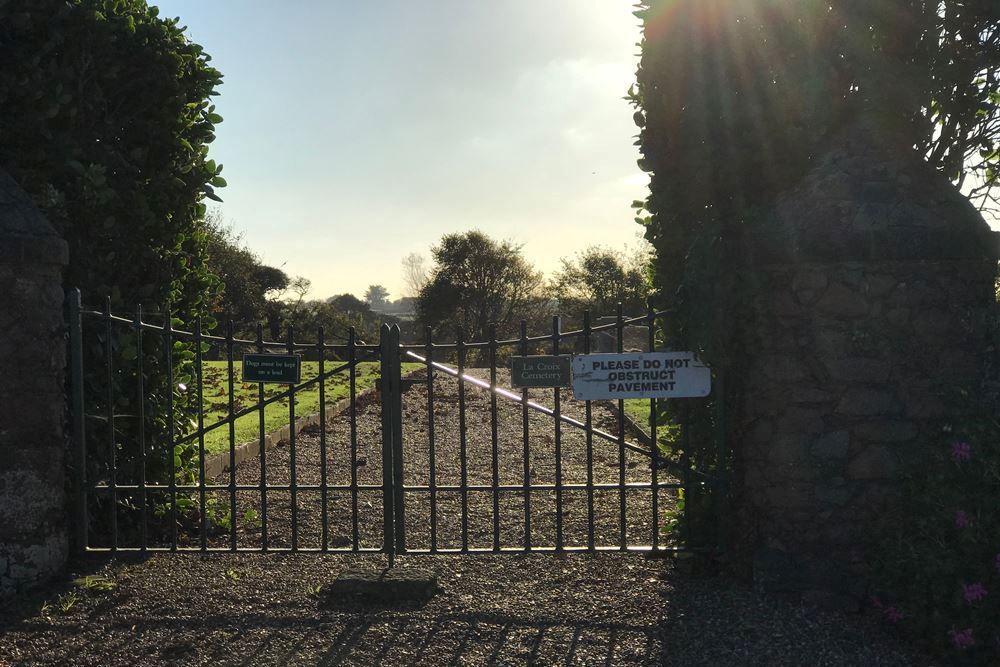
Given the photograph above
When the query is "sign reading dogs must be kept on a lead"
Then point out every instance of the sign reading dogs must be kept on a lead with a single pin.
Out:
(277, 368)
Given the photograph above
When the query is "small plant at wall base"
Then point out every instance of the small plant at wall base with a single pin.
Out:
(937, 558)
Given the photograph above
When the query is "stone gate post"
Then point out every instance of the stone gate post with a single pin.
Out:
(874, 282)
(33, 530)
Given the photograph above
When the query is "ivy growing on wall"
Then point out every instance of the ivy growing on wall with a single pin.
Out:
(107, 121)
(736, 98)
(107, 124)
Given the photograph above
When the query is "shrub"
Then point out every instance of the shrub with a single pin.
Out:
(938, 554)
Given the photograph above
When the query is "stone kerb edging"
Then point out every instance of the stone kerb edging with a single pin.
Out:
(217, 464)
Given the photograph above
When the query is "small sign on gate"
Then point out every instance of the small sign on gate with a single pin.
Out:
(540, 371)
(640, 375)
(278, 368)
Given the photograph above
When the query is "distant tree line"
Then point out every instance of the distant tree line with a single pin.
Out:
(478, 282)
(474, 283)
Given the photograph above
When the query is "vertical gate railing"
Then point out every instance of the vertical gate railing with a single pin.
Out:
(672, 475)
(390, 389)
(132, 511)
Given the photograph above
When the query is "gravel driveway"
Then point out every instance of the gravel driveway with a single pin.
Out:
(578, 609)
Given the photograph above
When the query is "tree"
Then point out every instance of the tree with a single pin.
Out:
(735, 98)
(476, 282)
(377, 297)
(248, 285)
(282, 310)
(414, 274)
(598, 279)
(107, 123)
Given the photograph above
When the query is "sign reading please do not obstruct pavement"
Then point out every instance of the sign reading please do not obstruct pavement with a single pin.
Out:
(640, 375)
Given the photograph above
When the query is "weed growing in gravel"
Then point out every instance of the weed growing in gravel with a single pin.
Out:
(251, 518)
(82, 588)
(232, 575)
(219, 516)
(94, 583)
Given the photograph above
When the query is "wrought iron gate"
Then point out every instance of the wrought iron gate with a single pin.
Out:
(383, 469)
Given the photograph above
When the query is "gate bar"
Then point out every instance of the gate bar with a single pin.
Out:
(352, 381)
(557, 414)
(388, 350)
(527, 403)
(399, 512)
(462, 447)
(523, 399)
(79, 423)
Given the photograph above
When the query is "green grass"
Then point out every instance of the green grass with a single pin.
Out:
(666, 434)
(638, 410)
(216, 399)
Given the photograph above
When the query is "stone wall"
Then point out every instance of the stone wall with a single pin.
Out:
(33, 533)
(873, 292)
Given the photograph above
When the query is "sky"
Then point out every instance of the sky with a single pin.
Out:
(356, 133)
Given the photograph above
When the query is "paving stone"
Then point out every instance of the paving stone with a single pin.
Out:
(397, 584)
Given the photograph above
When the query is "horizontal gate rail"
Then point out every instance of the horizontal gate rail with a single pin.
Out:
(288, 393)
(641, 321)
(144, 487)
(516, 398)
(209, 338)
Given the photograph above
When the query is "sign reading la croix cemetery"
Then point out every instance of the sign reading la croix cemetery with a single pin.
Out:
(640, 375)
(540, 371)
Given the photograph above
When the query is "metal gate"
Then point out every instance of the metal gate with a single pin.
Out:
(437, 455)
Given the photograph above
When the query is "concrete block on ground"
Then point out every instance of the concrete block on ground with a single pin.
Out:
(386, 586)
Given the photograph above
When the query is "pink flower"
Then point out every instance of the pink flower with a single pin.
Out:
(974, 592)
(960, 451)
(893, 614)
(962, 519)
(962, 639)
(877, 602)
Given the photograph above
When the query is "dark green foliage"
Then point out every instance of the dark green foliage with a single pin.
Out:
(735, 99)
(478, 282)
(597, 280)
(106, 124)
(930, 556)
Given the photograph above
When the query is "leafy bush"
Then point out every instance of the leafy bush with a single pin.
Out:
(938, 555)
(107, 121)
(736, 98)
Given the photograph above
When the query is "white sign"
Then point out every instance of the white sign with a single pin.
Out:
(640, 375)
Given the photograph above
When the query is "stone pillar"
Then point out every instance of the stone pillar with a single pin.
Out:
(874, 283)
(33, 525)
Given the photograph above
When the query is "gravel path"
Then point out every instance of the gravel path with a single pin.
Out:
(579, 609)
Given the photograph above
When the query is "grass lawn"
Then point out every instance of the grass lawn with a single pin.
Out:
(666, 434)
(216, 399)
(638, 410)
